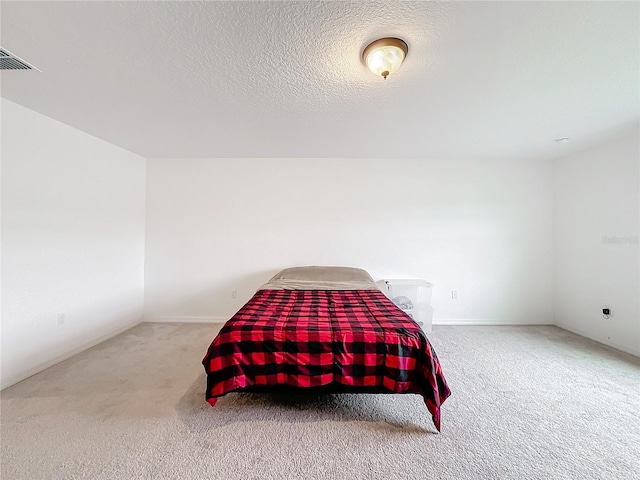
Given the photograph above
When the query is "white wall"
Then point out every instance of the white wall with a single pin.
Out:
(72, 241)
(73, 236)
(483, 229)
(596, 243)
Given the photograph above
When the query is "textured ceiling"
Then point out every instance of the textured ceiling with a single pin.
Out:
(285, 79)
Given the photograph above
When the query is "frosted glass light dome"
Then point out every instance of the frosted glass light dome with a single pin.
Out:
(384, 56)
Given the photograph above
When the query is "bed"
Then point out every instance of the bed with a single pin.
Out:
(324, 329)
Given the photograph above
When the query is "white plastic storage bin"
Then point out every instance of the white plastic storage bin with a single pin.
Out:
(422, 316)
(411, 296)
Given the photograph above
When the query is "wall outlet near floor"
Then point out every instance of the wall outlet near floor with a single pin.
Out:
(234, 293)
(454, 294)
(61, 318)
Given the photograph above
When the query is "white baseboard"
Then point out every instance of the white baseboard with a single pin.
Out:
(484, 321)
(61, 358)
(604, 341)
(439, 321)
(186, 319)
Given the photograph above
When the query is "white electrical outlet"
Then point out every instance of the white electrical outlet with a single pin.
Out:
(454, 294)
(61, 318)
(234, 293)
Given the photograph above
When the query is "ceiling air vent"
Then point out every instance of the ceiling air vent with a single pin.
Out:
(9, 61)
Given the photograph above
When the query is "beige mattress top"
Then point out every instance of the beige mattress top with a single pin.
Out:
(321, 278)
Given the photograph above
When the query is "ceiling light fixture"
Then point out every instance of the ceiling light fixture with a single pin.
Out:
(385, 55)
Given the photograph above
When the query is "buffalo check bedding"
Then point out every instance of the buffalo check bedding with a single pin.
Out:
(327, 340)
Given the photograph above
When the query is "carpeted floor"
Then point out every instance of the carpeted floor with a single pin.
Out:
(527, 403)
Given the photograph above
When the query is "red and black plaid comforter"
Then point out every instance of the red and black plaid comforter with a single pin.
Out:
(344, 340)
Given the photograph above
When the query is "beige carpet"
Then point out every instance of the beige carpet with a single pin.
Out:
(527, 403)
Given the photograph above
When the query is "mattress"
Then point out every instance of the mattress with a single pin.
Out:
(321, 278)
(331, 340)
